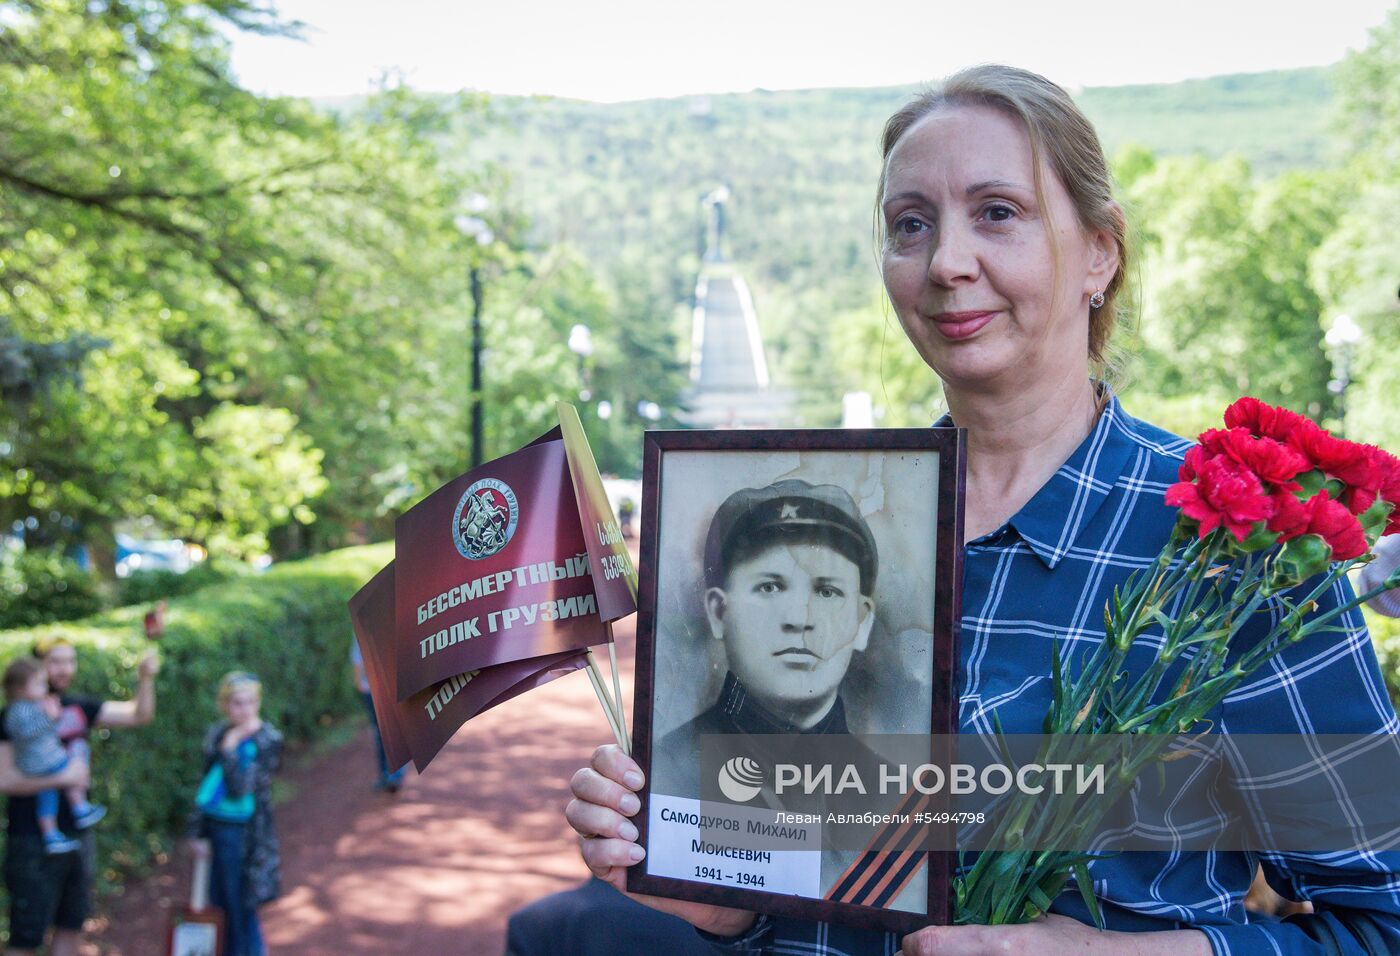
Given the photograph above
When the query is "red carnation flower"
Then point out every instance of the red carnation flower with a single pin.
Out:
(1224, 493)
(1359, 498)
(1273, 461)
(1266, 421)
(1291, 516)
(1334, 523)
(1388, 485)
(1347, 461)
(1196, 456)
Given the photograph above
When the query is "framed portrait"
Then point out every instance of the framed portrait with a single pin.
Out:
(798, 605)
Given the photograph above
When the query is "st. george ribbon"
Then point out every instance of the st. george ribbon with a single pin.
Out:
(502, 579)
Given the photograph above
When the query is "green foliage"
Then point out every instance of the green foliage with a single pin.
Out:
(40, 586)
(1228, 305)
(636, 359)
(1187, 415)
(1276, 120)
(147, 587)
(1369, 100)
(905, 393)
(259, 273)
(623, 182)
(1355, 269)
(289, 626)
(238, 316)
(27, 368)
(255, 472)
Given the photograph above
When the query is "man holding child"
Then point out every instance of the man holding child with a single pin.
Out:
(54, 889)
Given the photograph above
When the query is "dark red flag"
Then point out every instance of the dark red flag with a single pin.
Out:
(493, 568)
(417, 728)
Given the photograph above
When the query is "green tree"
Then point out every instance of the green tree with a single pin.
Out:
(1228, 306)
(1357, 269)
(244, 258)
(880, 361)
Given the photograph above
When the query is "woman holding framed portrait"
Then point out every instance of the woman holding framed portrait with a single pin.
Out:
(1004, 253)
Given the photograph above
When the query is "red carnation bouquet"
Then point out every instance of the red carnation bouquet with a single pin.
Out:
(1268, 504)
(1271, 476)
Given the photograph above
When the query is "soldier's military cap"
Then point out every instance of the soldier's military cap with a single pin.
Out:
(792, 509)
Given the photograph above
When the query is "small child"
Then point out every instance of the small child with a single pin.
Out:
(39, 753)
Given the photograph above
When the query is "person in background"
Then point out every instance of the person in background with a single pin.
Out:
(1373, 575)
(389, 780)
(626, 510)
(232, 820)
(38, 753)
(56, 891)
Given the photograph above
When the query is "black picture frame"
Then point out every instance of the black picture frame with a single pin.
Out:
(945, 511)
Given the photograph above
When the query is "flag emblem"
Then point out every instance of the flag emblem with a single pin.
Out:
(485, 519)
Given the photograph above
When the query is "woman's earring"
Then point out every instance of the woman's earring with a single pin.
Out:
(1096, 300)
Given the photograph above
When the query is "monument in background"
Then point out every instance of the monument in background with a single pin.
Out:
(729, 382)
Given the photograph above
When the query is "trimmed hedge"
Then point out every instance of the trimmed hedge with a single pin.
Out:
(40, 586)
(151, 586)
(289, 626)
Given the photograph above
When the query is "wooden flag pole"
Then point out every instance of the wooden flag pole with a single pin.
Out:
(600, 689)
(617, 688)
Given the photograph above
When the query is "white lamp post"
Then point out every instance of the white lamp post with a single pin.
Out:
(1342, 338)
(474, 227)
(581, 344)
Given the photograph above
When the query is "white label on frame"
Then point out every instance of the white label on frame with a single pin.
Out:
(710, 843)
(195, 939)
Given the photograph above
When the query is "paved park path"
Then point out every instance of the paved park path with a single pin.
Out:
(436, 869)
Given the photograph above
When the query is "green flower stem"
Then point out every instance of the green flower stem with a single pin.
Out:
(1018, 884)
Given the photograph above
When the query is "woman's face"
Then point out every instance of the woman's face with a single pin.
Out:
(969, 259)
(242, 706)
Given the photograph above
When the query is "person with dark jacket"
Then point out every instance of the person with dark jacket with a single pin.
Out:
(232, 820)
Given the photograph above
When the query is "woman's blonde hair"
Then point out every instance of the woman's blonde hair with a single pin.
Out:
(44, 646)
(1061, 133)
(236, 681)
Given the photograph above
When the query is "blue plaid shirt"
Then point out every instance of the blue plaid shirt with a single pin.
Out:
(1044, 576)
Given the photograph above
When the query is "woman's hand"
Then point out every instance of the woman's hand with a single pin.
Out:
(199, 848)
(604, 799)
(1051, 935)
(237, 733)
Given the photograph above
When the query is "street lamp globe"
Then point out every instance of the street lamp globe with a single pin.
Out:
(474, 227)
(581, 341)
(1344, 332)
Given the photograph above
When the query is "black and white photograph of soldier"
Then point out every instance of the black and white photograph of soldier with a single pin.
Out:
(790, 571)
(834, 615)
(794, 596)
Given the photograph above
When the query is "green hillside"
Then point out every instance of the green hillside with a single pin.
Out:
(622, 182)
(1275, 120)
